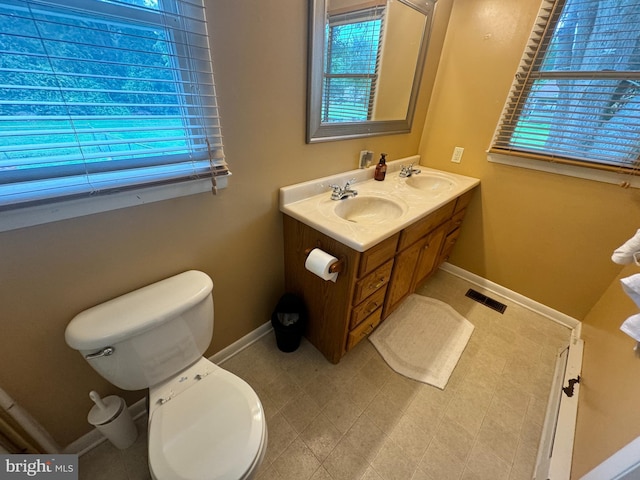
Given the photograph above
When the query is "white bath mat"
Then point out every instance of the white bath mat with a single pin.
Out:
(423, 339)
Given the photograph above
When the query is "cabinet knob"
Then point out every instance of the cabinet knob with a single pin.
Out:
(380, 283)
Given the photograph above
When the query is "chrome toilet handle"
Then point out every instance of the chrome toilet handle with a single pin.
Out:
(105, 352)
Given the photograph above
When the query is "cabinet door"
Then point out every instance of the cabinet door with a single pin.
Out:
(447, 247)
(429, 251)
(401, 277)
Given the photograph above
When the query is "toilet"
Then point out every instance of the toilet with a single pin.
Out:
(204, 422)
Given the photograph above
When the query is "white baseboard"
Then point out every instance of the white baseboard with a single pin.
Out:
(562, 452)
(556, 445)
(515, 297)
(239, 345)
(94, 438)
(624, 464)
(91, 440)
(555, 450)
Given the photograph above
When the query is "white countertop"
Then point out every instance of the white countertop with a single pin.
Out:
(310, 202)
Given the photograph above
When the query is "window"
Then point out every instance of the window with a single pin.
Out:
(576, 95)
(351, 65)
(100, 96)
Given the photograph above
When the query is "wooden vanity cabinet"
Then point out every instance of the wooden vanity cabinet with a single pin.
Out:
(400, 287)
(429, 255)
(374, 274)
(418, 250)
(328, 303)
(371, 290)
(371, 284)
(452, 228)
(341, 313)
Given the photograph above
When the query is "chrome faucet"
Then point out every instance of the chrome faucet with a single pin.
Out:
(408, 170)
(340, 193)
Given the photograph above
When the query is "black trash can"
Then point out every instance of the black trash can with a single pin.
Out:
(289, 320)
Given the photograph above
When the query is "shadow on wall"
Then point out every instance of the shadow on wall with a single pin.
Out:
(470, 246)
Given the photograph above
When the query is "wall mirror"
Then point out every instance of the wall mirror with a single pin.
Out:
(365, 64)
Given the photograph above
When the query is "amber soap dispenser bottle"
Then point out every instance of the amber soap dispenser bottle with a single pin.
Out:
(381, 168)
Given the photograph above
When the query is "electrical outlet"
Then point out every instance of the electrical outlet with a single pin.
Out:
(366, 157)
(457, 155)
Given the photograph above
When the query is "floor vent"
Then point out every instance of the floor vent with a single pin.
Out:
(487, 301)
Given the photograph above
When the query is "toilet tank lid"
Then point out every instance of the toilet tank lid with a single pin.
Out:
(111, 322)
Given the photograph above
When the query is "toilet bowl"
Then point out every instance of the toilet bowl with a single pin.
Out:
(205, 423)
(199, 427)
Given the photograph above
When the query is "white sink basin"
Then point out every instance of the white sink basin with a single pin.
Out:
(431, 182)
(368, 210)
(380, 209)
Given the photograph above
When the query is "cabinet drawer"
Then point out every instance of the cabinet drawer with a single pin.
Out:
(367, 307)
(456, 220)
(449, 243)
(372, 282)
(364, 329)
(376, 256)
(418, 230)
(463, 200)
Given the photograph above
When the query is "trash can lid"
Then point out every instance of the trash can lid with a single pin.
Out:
(290, 303)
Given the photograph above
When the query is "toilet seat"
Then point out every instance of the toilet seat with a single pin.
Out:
(205, 424)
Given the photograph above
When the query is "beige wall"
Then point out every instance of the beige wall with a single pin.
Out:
(402, 38)
(546, 236)
(608, 413)
(50, 273)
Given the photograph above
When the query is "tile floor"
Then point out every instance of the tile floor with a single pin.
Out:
(361, 420)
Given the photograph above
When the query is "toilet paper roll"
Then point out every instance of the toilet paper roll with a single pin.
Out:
(319, 262)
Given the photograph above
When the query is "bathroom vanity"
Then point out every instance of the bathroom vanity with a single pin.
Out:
(388, 240)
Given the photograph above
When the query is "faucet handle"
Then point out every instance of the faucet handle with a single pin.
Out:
(349, 182)
(336, 193)
(408, 170)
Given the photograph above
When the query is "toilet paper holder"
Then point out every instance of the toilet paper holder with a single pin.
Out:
(335, 268)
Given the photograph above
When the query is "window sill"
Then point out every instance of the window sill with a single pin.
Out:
(40, 214)
(568, 170)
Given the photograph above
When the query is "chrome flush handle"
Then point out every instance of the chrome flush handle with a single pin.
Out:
(105, 352)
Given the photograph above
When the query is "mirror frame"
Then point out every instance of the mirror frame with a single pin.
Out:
(323, 132)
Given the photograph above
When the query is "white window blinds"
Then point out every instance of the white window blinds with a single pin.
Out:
(100, 96)
(576, 95)
(353, 41)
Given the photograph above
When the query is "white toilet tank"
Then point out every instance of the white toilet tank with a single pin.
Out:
(147, 336)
